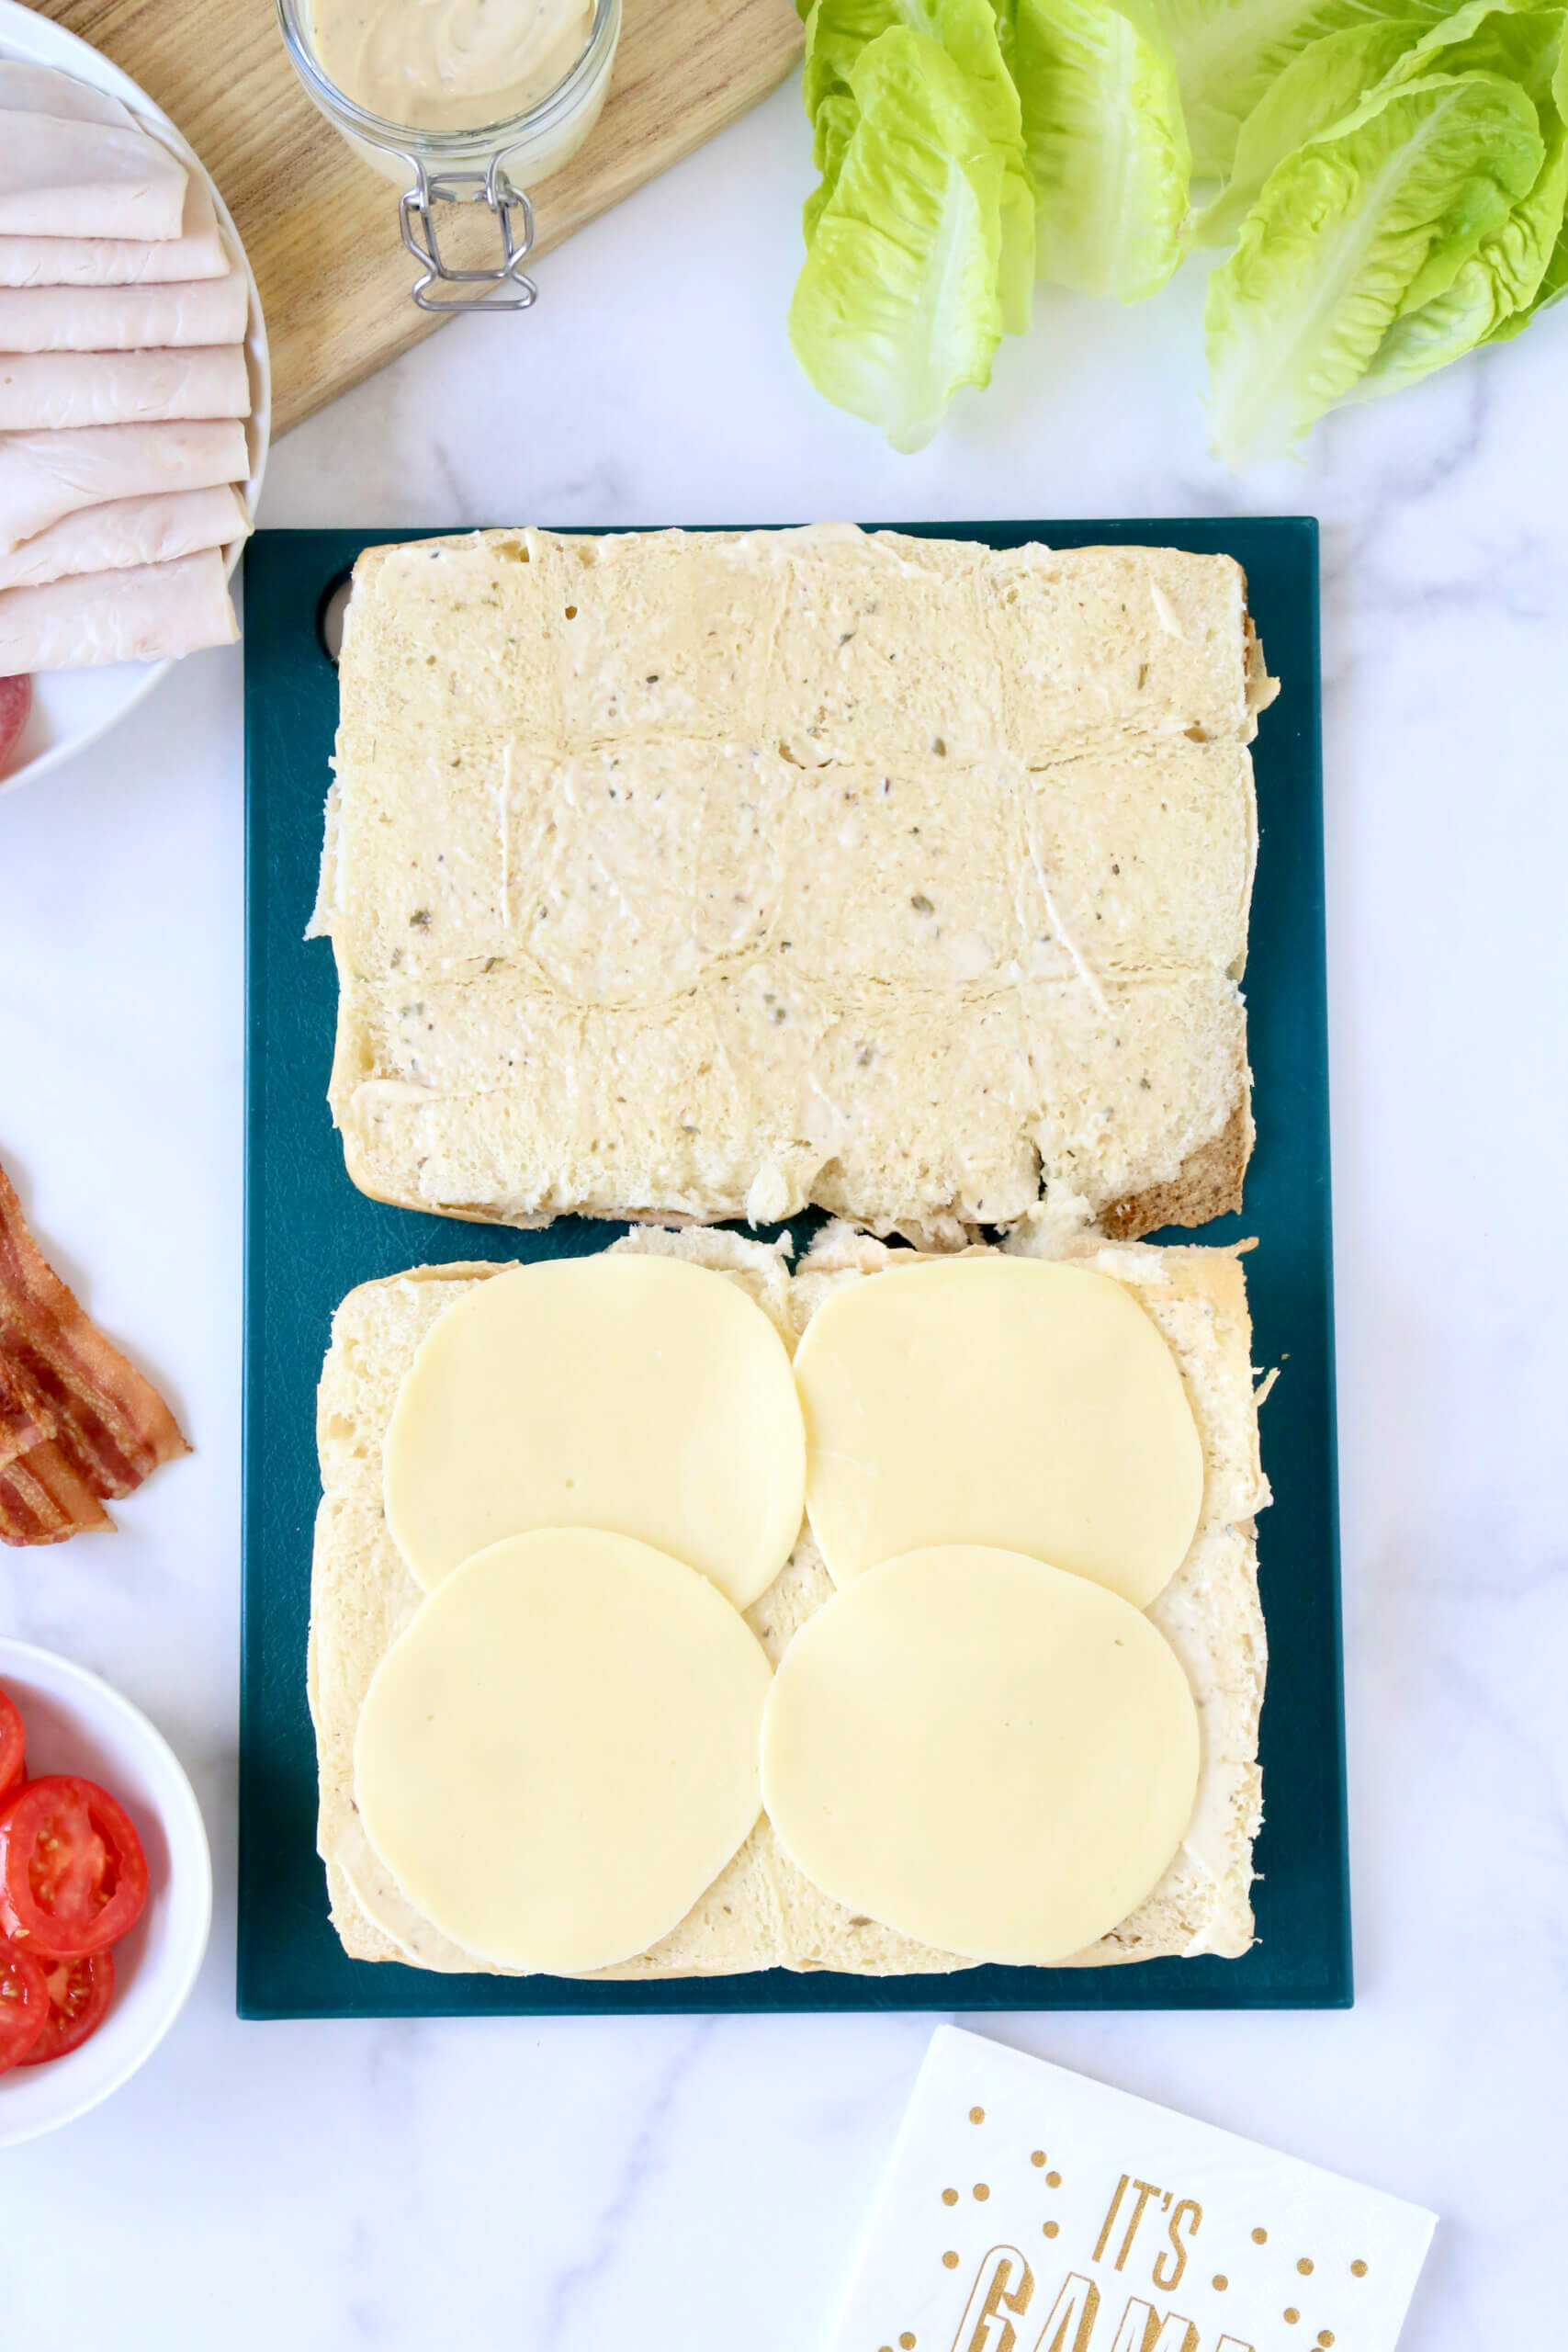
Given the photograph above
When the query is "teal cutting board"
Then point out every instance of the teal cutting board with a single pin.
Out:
(310, 1237)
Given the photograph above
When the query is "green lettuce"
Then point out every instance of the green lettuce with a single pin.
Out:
(1106, 143)
(1316, 89)
(832, 133)
(1229, 52)
(1353, 231)
(839, 31)
(1324, 84)
(1554, 284)
(1552, 289)
(1501, 281)
(899, 299)
(1505, 282)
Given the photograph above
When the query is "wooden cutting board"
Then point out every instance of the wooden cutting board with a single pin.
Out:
(321, 228)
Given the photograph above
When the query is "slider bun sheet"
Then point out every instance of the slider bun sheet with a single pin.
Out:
(559, 1753)
(996, 1758)
(1002, 1401)
(641, 1395)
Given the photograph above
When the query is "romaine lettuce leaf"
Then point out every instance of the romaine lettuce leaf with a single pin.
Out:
(1315, 90)
(839, 31)
(1501, 281)
(1520, 44)
(1521, 267)
(1552, 287)
(899, 302)
(1554, 284)
(1106, 142)
(1228, 52)
(1352, 231)
(832, 133)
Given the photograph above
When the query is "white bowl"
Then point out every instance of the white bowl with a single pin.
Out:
(76, 1723)
(73, 707)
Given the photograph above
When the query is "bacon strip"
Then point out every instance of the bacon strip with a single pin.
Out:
(25, 1420)
(44, 1499)
(77, 1424)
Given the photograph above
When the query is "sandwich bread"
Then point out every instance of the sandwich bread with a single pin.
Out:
(761, 1912)
(705, 877)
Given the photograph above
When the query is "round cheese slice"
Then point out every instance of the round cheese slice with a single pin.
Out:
(1003, 1401)
(993, 1756)
(641, 1395)
(558, 1753)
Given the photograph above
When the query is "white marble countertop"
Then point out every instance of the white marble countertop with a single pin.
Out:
(688, 2186)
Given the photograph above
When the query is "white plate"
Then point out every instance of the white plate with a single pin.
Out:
(73, 707)
(76, 1723)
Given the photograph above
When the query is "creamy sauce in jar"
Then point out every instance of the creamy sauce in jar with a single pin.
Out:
(448, 64)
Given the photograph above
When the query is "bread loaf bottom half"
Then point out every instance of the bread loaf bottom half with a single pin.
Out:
(761, 1912)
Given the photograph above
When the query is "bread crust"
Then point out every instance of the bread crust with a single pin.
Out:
(1208, 1183)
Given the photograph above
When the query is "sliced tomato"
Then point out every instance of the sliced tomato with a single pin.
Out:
(79, 1994)
(16, 702)
(72, 1874)
(24, 2003)
(13, 1747)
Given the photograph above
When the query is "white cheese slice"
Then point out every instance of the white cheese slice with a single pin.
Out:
(559, 1752)
(982, 1751)
(641, 1395)
(1000, 1401)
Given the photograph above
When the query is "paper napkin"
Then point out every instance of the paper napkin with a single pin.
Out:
(1027, 2210)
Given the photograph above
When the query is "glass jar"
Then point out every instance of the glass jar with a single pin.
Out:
(495, 163)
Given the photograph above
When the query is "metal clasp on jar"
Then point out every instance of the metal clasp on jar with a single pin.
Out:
(510, 290)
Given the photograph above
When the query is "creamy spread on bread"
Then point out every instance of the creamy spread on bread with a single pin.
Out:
(715, 876)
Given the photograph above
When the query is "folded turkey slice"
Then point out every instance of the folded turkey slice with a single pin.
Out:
(46, 475)
(211, 311)
(53, 391)
(150, 614)
(62, 177)
(128, 531)
(198, 251)
(52, 259)
(26, 88)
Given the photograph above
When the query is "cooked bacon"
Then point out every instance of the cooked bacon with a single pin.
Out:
(25, 1420)
(44, 1499)
(78, 1422)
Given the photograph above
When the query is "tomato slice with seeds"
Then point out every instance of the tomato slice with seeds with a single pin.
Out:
(24, 2003)
(79, 1994)
(72, 1874)
(13, 1747)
